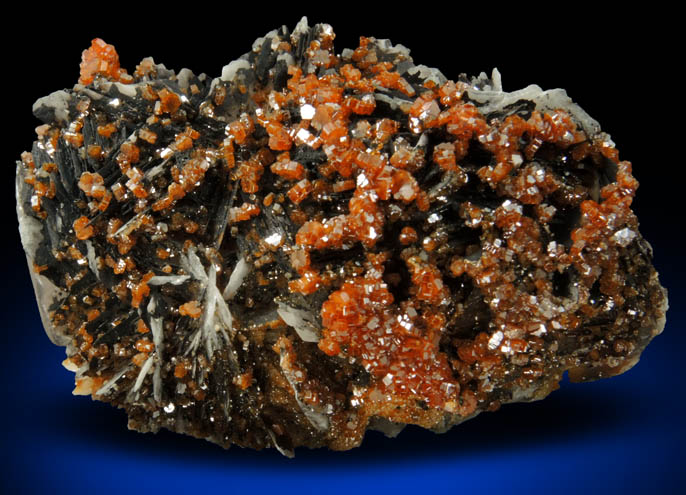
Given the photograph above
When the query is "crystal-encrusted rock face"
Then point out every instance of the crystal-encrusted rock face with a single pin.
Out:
(313, 244)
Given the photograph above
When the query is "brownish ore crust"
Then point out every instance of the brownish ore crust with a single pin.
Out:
(315, 244)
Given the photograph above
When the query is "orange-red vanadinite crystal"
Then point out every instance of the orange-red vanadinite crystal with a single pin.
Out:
(314, 243)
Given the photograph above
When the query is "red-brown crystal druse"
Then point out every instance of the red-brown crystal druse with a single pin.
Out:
(101, 59)
(314, 243)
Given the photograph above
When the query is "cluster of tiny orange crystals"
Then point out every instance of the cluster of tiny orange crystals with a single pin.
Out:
(250, 171)
(287, 168)
(72, 134)
(407, 236)
(279, 139)
(101, 59)
(107, 130)
(396, 344)
(124, 242)
(83, 229)
(121, 265)
(184, 140)
(129, 154)
(240, 129)
(43, 188)
(427, 280)
(144, 345)
(191, 309)
(243, 381)
(169, 102)
(181, 368)
(142, 327)
(244, 212)
(600, 221)
(140, 290)
(94, 151)
(92, 184)
(300, 191)
(92, 314)
(139, 359)
(148, 136)
(184, 182)
(309, 282)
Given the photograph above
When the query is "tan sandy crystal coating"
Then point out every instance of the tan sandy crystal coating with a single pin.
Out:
(314, 244)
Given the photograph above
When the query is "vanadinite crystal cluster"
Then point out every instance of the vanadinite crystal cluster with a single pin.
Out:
(314, 243)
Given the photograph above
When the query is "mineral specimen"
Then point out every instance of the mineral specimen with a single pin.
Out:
(315, 244)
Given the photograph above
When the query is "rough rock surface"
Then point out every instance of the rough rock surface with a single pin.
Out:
(315, 244)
